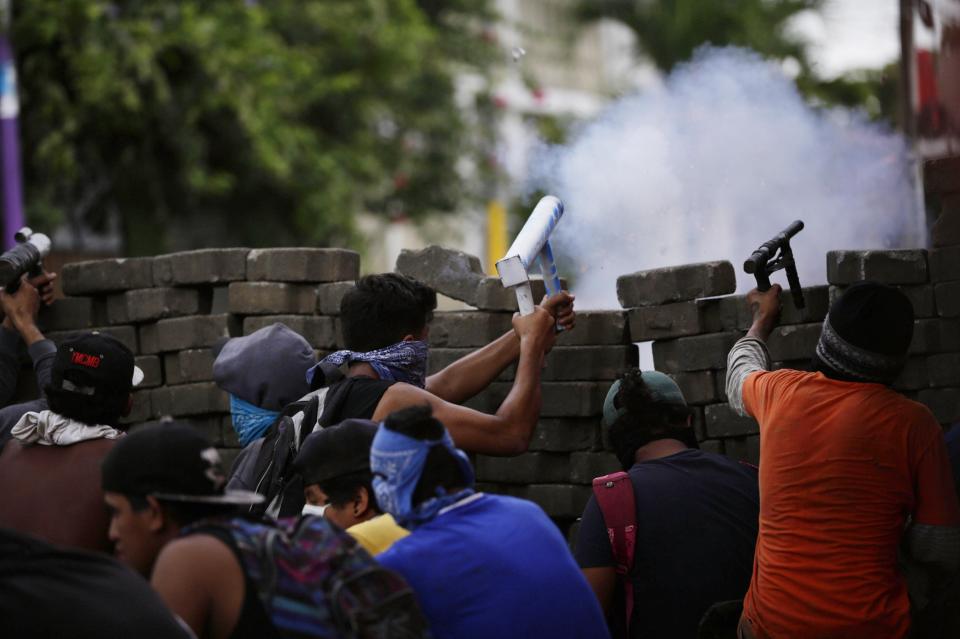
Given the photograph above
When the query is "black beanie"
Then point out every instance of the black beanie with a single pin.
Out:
(867, 333)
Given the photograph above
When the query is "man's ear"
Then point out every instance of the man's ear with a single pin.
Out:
(156, 517)
(361, 502)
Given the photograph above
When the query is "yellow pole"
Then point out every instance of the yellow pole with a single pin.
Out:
(496, 234)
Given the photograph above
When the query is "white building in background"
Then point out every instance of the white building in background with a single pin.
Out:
(553, 66)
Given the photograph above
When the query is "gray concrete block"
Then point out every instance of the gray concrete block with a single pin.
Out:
(189, 399)
(125, 334)
(205, 266)
(698, 387)
(524, 469)
(320, 332)
(492, 296)
(746, 449)
(914, 376)
(943, 369)
(944, 264)
(796, 342)
(68, 313)
(152, 371)
(596, 328)
(303, 265)
(700, 352)
(935, 336)
(721, 421)
(559, 399)
(330, 295)
(116, 308)
(151, 304)
(188, 366)
(921, 298)
(648, 323)
(209, 426)
(948, 298)
(141, 409)
(732, 313)
(585, 466)
(676, 284)
(589, 363)
(453, 273)
(101, 276)
(944, 403)
(561, 501)
(219, 300)
(903, 266)
(180, 333)
(712, 446)
(467, 329)
(560, 435)
(270, 298)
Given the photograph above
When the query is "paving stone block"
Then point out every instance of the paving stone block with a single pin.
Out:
(902, 266)
(559, 399)
(320, 332)
(68, 313)
(589, 363)
(453, 273)
(116, 308)
(303, 265)
(205, 266)
(946, 229)
(330, 295)
(722, 421)
(914, 375)
(676, 284)
(941, 175)
(492, 296)
(921, 298)
(698, 422)
(180, 333)
(596, 328)
(152, 371)
(943, 369)
(219, 300)
(700, 352)
(101, 276)
(151, 304)
(698, 387)
(524, 469)
(468, 329)
(585, 466)
(228, 457)
(944, 403)
(935, 336)
(794, 342)
(660, 322)
(189, 399)
(948, 298)
(189, 366)
(712, 446)
(560, 435)
(141, 409)
(745, 449)
(562, 501)
(270, 298)
(944, 264)
(125, 334)
(209, 426)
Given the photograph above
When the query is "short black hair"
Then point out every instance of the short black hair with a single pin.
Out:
(645, 420)
(381, 309)
(342, 489)
(186, 513)
(106, 410)
(441, 469)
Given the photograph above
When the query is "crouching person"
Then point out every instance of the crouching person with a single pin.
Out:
(482, 565)
(334, 464)
(226, 576)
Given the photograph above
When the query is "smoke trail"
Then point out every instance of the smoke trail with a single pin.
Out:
(719, 159)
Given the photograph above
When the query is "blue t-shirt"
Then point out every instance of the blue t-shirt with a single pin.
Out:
(697, 517)
(496, 567)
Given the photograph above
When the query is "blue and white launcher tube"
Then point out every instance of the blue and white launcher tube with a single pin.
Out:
(532, 242)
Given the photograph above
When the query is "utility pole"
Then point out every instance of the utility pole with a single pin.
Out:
(13, 218)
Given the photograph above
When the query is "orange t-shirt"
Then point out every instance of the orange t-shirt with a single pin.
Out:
(842, 465)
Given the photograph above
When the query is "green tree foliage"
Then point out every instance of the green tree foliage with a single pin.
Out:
(199, 123)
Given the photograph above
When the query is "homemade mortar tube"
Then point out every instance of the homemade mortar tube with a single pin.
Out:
(532, 242)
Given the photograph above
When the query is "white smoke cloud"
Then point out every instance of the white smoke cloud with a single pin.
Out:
(719, 159)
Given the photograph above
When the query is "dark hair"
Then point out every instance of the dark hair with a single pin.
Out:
(441, 469)
(185, 513)
(342, 490)
(381, 309)
(105, 410)
(646, 420)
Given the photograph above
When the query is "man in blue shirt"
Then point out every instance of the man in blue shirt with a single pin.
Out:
(481, 565)
(696, 515)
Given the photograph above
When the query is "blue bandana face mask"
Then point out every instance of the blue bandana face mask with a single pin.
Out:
(397, 462)
(400, 362)
(250, 421)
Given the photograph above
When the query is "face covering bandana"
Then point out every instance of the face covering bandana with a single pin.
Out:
(250, 421)
(397, 462)
(400, 362)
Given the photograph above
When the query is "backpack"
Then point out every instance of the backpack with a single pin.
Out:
(316, 581)
(614, 494)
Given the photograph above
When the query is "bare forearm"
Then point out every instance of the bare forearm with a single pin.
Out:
(472, 373)
(521, 408)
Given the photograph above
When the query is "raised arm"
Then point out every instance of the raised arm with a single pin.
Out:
(508, 431)
(472, 373)
(749, 354)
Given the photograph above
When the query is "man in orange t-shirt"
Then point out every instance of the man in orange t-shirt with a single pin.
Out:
(850, 472)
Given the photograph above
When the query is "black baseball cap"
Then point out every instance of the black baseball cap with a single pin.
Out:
(171, 462)
(336, 451)
(95, 365)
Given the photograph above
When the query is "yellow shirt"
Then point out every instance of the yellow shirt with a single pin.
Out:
(377, 534)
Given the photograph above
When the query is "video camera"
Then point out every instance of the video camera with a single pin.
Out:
(774, 255)
(26, 257)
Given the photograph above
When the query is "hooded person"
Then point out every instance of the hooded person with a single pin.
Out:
(481, 565)
(50, 470)
(850, 472)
